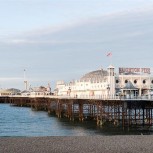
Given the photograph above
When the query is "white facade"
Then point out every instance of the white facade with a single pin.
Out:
(40, 91)
(105, 83)
(143, 83)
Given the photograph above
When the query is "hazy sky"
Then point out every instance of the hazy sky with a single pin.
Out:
(64, 39)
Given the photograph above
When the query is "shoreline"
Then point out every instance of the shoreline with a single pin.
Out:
(75, 144)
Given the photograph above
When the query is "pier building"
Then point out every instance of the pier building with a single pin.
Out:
(105, 96)
(127, 82)
(39, 91)
(9, 92)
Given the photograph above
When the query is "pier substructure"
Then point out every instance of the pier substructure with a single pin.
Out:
(125, 113)
(139, 113)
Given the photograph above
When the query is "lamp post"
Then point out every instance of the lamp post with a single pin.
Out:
(69, 91)
(150, 96)
(108, 89)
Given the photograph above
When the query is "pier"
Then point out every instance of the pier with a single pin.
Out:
(118, 111)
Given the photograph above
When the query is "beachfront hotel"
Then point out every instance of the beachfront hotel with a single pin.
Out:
(127, 82)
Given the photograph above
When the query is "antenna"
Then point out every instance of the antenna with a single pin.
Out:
(24, 74)
(25, 81)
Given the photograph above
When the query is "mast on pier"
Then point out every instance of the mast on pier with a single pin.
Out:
(25, 81)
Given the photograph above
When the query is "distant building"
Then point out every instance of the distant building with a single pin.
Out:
(128, 82)
(40, 91)
(9, 92)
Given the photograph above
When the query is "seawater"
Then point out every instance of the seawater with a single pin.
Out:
(22, 121)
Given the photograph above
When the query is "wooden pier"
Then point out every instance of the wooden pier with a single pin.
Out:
(118, 112)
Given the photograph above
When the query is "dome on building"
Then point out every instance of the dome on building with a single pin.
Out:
(13, 90)
(95, 75)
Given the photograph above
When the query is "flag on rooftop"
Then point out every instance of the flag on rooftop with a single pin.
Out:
(109, 54)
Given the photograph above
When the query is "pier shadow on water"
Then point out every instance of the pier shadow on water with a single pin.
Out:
(107, 129)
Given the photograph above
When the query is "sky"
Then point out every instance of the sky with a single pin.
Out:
(65, 39)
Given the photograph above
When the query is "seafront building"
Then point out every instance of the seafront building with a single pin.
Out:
(127, 82)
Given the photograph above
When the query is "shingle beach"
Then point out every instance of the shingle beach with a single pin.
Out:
(89, 144)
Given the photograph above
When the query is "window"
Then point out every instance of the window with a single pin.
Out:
(117, 81)
(135, 81)
(152, 81)
(144, 81)
(126, 81)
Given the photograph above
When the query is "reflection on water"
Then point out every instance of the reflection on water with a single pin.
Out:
(20, 121)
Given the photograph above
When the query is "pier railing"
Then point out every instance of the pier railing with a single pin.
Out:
(96, 97)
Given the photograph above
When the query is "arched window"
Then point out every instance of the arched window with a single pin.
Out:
(135, 81)
(126, 81)
(144, 81)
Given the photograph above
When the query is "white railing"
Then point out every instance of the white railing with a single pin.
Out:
(98, 97)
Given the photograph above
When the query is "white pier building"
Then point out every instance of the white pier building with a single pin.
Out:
(128, 82)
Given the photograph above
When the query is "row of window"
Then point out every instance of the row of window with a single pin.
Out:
(93, 87)
(135, 81)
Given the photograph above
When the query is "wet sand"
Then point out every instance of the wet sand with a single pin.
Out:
(89, 144)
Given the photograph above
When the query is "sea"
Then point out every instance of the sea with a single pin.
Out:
(24, 122)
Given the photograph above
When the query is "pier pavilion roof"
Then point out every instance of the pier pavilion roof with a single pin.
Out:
(39, 89)
(13, 90)
(95, 75)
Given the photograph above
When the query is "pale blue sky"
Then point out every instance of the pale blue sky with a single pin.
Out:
(64, 39)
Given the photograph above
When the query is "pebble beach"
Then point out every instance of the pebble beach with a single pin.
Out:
(79, 144)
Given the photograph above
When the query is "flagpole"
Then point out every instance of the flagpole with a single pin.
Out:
(110, 56)
(111, 60)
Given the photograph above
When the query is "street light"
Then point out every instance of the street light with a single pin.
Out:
(69, 91)
(108, 89)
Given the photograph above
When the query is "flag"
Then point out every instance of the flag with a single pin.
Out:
(109, 54)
